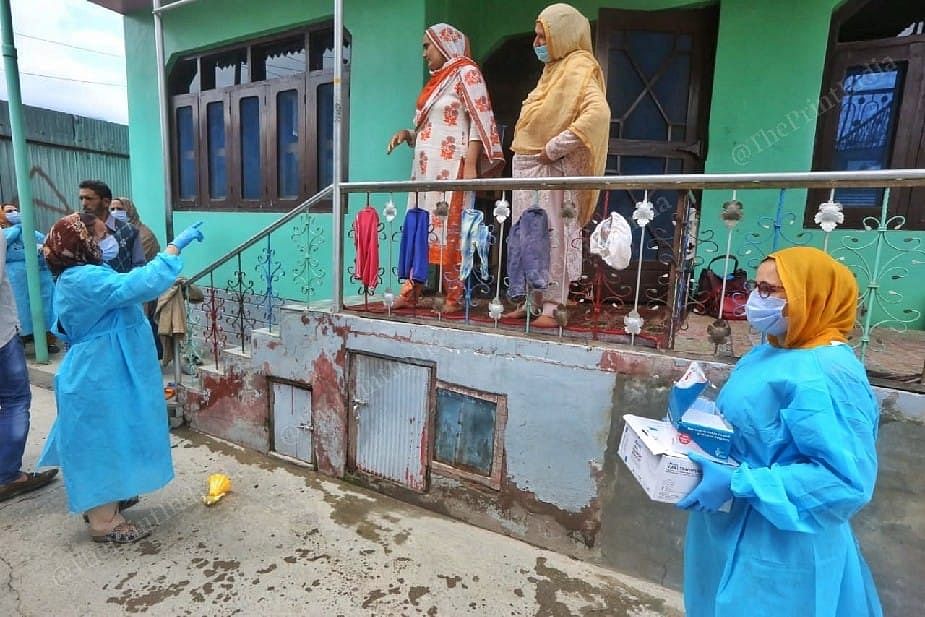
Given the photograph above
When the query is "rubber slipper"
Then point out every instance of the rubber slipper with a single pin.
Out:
(33, 481)
(123, 533)
(124, 504)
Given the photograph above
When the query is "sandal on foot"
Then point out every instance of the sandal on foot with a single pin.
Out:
(33, 481)
(123, 533)
(124, 504)
(519, 313)
(545, 321)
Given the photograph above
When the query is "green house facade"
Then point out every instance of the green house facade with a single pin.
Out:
(737, 86)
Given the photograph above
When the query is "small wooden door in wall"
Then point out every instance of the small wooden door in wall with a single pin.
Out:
(292, 421)
(390, 403)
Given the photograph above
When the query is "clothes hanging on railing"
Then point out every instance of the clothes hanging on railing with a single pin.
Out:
(412, 252)
(528, 253)
(366, 241)
(473, 237)
(613, 241)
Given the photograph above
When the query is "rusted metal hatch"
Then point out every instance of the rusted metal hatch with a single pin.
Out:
(390, 403)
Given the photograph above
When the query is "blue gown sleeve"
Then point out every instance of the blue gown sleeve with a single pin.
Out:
(836, 435)
(110, 289)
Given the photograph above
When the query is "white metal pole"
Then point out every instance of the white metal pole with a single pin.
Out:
(164, 118)
(337, 259)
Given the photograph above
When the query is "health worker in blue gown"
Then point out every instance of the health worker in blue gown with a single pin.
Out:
(805, 421)
(110, 438)
(16, 272)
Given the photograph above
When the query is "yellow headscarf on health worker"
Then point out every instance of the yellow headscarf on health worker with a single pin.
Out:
(822, 298)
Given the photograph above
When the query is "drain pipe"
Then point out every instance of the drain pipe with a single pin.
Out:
(23, 182)
(337, 206)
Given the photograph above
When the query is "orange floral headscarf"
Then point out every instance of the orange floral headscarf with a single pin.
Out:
(822, 298)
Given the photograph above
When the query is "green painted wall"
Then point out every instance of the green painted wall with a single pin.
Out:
(767, 77)
(386, 76)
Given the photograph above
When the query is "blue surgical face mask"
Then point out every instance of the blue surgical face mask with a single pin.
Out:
(119, 215)
(542, 53)
(14, 217)
(109, 246)
(766, 314)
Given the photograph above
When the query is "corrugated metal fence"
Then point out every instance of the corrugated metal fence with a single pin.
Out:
(63, 150)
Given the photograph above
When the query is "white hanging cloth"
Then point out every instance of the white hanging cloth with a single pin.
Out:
(613, 241)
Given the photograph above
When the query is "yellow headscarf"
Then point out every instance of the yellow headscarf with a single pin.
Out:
(555, 104)
(822, 298)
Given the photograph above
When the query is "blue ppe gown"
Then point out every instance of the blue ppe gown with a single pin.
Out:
(16, 272)
(805, 430)
(111, 436)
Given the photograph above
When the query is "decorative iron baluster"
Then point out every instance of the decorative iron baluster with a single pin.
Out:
(501, 213)
(390, 212)
(240, 288)
(643, 215)
(215, 334)
(852, 253)
(270, 271)
(756, 246)
(829, 216)
(308, 238)
(190, 354)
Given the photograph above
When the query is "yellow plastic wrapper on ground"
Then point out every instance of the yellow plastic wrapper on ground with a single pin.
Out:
(219, 485)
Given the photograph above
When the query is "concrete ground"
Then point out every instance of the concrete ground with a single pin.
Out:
(286, 541)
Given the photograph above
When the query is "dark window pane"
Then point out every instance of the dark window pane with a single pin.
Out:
(288, 148)
(225, 69)
(321, 50)
(280, 59)
(671, 89)
(866, 127)
(186, 153)
(184, 78)
(251, 178)
(218, 171)
(325, 135)
(465, 431)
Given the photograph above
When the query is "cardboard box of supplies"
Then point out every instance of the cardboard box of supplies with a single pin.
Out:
(696, 416)
(657, 455)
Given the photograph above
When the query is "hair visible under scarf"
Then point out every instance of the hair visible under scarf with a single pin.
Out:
(71, 243)
(822, 298)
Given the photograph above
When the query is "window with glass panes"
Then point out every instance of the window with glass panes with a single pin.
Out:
(252, 126)
(872, 108)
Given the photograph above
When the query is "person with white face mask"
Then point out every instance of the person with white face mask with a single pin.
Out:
(110, 437)
(805, 420)
(562, 131)
(16, 248)
(95, 198)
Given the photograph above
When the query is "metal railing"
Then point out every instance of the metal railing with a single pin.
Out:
(603, 305)
(872, 253)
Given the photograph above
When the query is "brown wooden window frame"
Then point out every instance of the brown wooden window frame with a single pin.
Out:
(305, 83)
(908, 147)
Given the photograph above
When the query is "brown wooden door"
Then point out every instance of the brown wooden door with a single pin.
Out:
(658, 67)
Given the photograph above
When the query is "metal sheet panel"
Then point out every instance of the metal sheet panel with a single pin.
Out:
(63, 150)
(391, 403)
(292, 421)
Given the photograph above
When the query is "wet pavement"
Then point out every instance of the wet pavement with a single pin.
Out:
(286, 541)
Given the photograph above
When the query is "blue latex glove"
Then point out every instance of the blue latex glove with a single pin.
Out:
(715, 486)
(188, 235)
